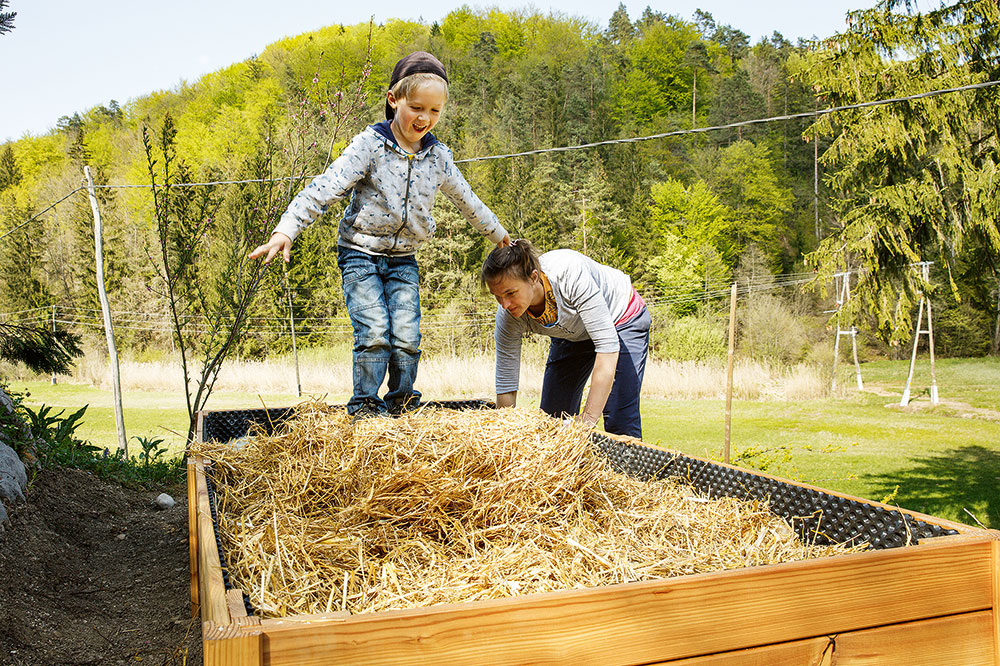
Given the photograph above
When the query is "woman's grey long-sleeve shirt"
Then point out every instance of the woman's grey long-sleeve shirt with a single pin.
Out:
(590, 298)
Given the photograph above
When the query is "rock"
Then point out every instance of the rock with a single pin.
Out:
(13, 476)
(163, 501)
(5, 400)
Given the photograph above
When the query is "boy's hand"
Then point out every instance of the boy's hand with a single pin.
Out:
(279, 242)
(505, 242)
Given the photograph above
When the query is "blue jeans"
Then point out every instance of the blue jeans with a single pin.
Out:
(570, 363)
(383, 302)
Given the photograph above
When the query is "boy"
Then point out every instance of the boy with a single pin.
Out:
(392, 171)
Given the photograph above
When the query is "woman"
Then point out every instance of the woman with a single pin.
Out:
(598, 324)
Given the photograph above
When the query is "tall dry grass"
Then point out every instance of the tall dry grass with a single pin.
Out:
(446, 376)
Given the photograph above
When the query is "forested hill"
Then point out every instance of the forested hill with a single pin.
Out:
(673, 212)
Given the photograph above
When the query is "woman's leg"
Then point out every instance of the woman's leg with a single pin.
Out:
(566, 371)
(621, 413)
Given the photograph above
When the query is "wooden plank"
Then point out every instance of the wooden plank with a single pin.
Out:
(212, 589)
(238, 644)
(234, 602)
(641, 623)
(199, 427)
(809, 652)
(192, 500)
(963, 640)
(954, 538)
(957, 640)
(996, 602)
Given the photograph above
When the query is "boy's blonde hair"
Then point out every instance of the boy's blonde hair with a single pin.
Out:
(408, 84)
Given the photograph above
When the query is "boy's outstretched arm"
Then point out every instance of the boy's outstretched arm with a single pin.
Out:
(279, 243)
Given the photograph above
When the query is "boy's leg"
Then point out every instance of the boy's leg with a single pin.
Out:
(366, 305)
(403, 298)
(566, 371)
(621, 413)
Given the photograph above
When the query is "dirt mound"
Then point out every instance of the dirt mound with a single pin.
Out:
(91, 573)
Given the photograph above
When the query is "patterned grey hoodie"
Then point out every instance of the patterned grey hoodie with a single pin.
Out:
(392, 193)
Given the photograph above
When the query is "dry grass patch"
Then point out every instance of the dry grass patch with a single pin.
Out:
(444, 506)
(444, 377)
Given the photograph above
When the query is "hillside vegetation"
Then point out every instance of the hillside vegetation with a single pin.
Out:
(684, 215)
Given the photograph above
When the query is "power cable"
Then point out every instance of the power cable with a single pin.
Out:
(695, 130)
(36, 215)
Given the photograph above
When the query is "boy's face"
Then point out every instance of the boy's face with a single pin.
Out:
(417, 113)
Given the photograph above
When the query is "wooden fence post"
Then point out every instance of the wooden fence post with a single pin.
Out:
(106, 312)
(729, 372)
(53, 335)
(291, 325)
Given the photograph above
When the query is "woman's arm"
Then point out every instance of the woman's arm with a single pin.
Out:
(601, 380)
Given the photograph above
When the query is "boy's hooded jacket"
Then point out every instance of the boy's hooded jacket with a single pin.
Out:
(392, 194)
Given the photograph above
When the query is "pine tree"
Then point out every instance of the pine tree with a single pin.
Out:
(620, 28)
(6, 18)
(10, 174)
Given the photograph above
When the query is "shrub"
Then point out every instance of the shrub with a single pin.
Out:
(700, 337)
(960, 330)
(771, 332)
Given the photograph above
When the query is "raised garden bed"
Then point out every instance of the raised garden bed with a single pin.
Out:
(925, 593)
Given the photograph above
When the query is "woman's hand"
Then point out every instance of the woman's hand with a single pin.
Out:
(601, 380)
(279, 243)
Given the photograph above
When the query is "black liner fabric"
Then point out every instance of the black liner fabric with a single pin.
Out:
(817, 517)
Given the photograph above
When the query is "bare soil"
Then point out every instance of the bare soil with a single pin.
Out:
(92, 573)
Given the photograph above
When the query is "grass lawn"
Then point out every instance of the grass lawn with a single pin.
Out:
(150, 414)
(942, 461)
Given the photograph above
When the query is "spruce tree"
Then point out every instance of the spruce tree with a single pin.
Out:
(916, 180)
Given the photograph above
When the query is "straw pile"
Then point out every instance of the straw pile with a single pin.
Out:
(450, 506)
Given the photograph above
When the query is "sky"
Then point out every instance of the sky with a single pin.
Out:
(64, 56)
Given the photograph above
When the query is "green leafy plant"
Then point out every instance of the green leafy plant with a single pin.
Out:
(59, 446)
(764, 458)
(152, 449)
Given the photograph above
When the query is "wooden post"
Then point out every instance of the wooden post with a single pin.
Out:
(836, 341)
(842, 285)
(192, 496)
(925, 267)
(905, 400)
(291, 325)
(729, 371)
(995, 546)
(106, 312)
(930, 342)
(857, 366)
(816, 180)
(53, 333)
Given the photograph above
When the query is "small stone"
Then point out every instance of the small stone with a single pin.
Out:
(164, 501)
(120, 537)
